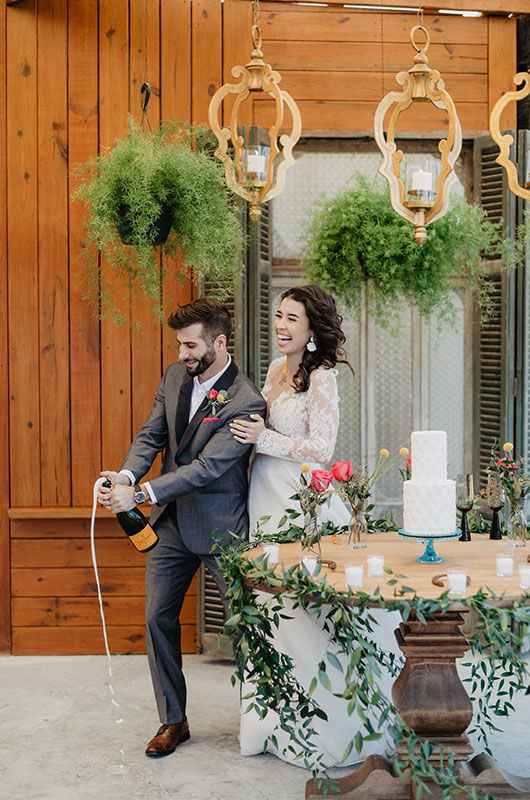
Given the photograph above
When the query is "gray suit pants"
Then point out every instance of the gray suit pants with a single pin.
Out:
(169, 570)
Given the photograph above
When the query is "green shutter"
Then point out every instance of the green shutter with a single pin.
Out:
(522, 437)
(250, 347)
(259, 279)
(494, 341)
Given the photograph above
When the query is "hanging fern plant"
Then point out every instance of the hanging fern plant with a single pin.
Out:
(357, 242)
(125, 190)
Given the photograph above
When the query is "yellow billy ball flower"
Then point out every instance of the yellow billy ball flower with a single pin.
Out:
(507, 446)
(384, 453)
(404, 451)
(304, 467)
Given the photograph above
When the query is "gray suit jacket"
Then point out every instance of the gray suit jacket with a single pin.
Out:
(204, 469)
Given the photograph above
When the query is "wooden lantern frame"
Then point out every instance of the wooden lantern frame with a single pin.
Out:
(256, 76)
(506, 140)
(421, 84)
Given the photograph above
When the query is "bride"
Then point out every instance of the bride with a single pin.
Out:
(302, 406)
(301, 426)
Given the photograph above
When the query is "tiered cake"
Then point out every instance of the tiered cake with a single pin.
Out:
(429, 499)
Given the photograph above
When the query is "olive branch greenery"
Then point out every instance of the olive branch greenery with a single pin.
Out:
(495, 675)
(356, 241)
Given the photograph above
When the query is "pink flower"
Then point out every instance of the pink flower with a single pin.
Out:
(212, 394)
(408, 461)
(341, 470)
(320, 479)
(508, 465)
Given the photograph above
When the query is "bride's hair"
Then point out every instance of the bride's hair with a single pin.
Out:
(325, 322)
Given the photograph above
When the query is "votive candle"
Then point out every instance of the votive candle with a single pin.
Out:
(457, 579)
(309, 561)
(524, 576)
(376, 565)
(354, 575)
(504, 564)
(271, 551)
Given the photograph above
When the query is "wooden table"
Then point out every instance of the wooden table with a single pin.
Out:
(428, 693)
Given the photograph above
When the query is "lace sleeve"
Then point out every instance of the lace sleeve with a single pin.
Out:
(323, 422)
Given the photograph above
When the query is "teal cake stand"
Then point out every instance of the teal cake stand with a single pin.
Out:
(429, 556)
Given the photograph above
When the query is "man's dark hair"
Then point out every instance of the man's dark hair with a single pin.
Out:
(211, 313)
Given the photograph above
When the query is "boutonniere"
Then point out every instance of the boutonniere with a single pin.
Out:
(216, 399)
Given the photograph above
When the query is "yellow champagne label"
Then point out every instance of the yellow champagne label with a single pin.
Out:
(144, 538)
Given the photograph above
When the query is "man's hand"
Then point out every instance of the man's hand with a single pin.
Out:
(104, 493)
(121, 498)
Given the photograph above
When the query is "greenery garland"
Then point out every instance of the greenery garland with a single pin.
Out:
(133, 181)
(357, 242)
(499, 672)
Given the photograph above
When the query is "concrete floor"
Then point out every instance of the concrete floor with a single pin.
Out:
(62, 740)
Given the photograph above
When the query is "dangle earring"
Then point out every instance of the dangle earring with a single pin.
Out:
(311, 346)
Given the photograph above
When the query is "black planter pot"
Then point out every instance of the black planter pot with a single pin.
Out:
(157, 233)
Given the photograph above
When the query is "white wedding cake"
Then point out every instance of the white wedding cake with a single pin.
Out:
(429, 499)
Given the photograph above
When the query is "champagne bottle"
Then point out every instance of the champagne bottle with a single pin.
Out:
(136, 527)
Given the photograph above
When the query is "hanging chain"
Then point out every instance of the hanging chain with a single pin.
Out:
(255, 9)
(382, 53)
(145, 87)
(420, 14)
(256, 33)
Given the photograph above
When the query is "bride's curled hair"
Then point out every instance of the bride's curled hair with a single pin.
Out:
(325, 322)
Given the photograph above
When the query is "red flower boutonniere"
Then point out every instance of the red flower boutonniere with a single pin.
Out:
(216, 399)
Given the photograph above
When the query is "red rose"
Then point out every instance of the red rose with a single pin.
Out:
(212, 394)
(508, 465)
(341, 470)
(320, 479)
(408, 461)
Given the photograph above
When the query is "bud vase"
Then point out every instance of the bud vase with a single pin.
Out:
(310, 539)
(516, 528)
(357, 527)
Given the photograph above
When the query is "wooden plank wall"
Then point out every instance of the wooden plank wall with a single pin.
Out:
(73, 390)
(338, 63)
(78, 389)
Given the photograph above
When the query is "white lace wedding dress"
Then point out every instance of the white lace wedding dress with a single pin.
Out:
(302, 427)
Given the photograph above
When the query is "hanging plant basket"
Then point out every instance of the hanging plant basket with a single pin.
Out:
(156, 193)
(358, 246)
(157, 233)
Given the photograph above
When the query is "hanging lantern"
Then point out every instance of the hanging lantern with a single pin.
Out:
(421, 195)
(506, 140)
(255, 171)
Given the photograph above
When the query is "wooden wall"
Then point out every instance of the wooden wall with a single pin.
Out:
(73, 390)
(338, 63)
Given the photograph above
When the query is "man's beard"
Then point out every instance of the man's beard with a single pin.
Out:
(202, 363)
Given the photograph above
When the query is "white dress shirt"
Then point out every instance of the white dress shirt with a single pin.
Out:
(199, 392)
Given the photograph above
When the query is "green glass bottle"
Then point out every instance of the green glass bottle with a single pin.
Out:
(136, 527)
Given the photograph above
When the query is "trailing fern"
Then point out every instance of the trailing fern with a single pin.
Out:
(133, 181)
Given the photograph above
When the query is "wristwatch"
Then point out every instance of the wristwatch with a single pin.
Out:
(139, 495)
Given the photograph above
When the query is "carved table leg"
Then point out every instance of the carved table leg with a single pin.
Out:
(428, 693)
(432, 700)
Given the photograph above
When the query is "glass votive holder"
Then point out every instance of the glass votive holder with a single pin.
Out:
(354, 575)
(524, 576)
(504, 564)
(309, 561)
(457, 579)
(376, 566)
(271, 551)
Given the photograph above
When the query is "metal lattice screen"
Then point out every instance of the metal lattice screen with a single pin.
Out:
(411, 381)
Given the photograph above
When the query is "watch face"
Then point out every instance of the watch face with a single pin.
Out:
(139, 496)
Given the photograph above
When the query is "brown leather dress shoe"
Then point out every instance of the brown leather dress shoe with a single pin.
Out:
(167, 738)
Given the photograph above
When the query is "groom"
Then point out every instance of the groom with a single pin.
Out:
(201, 492)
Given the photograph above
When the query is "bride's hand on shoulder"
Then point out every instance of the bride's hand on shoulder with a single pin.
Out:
(247, 431)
